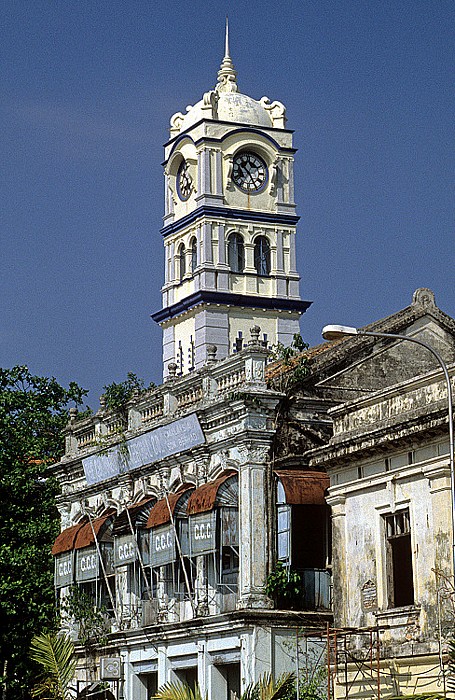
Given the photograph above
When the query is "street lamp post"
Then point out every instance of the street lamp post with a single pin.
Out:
(335, 332)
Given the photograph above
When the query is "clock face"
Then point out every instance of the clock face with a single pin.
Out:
(184, 181)
(249, 172)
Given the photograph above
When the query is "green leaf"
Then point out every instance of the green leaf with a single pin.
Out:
(56, 655)
(178, 691)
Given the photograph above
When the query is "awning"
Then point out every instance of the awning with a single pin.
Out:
(86, 535)
(138, 514)
(81, 535)
(204, 498)
(66, 539)
(303, 487)
(159, 515)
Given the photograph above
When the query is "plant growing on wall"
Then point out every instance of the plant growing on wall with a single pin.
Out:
(118, 395)
(91, 620)
(284, 585)
(293, 364)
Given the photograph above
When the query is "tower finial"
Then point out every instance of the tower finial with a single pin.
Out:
(227, 74)
(226, 41)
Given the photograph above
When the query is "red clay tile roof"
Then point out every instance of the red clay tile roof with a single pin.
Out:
(303, 487)
(159, 515)
(203, 499)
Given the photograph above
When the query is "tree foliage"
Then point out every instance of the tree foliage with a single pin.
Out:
(117, 395)
(33, 413)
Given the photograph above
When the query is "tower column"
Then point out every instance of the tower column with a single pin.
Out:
(218, 172)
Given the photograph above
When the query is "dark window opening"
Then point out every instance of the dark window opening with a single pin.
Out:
(152, 684)
(193, 254)
(262, 256)
(231, 676)
(229, 569)
(187, 675)
(400, 584)
(236, 252)
(309, 546)
(181, 257)
(304, 546)
(178, 576)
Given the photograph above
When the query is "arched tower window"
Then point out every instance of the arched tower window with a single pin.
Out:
(236, 252)
(193, 246)
(262, 256)
(181, 261)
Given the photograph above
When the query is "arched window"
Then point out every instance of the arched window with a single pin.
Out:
(236, 252)
(181, 258)
(262, 256)
(193, 246)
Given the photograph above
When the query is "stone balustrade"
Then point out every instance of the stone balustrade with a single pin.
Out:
(152, 411)
(86, 438)
(178, 395)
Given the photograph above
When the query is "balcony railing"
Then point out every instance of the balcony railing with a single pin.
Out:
(242, 371)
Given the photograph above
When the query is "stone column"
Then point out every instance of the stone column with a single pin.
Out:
(218, 172)
(207, 252)
(279, 250)
(292, 255)
(200, 587)
(291, 181)
(221, 245)
(339, 581)
(254, 526)
(439, 537)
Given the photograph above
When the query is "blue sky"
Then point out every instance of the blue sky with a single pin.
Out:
(88, 87)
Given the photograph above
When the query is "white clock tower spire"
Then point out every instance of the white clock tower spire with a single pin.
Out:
(229, 226)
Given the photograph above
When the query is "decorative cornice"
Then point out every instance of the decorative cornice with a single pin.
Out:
(239, 130)
(240, 127)
(229, 213)
(228, 299)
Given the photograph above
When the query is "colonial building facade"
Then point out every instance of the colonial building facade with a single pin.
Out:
(170, 506)
(187, 511)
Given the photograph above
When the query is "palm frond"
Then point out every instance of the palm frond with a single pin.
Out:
(178, 691)
(56, 655)
(267, 688)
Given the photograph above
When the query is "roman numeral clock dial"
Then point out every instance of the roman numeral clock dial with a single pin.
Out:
(249, 172)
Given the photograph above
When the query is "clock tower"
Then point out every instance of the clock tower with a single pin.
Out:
(229, 226)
